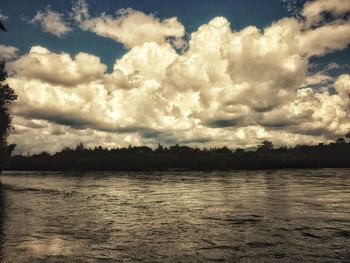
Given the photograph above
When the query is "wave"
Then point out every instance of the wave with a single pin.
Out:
(36, 190)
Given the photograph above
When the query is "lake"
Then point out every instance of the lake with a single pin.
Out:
(237, 216)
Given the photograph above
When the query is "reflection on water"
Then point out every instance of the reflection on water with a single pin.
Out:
(257, 216)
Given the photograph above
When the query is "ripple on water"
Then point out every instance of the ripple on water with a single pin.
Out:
(255, 216)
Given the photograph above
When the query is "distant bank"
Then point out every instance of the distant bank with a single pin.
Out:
(334, 155)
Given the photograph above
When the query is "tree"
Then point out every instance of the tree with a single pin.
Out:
(266, 146)
(80, 147)
(2, 27)
(340, 140)
(160, 148)
(239, 151)
(348, 135)
(7, 95)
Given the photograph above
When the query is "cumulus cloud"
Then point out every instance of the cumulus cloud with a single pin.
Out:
(229, 87)
(51, 22)
(129, 27)
(8, 52)
(58, 69)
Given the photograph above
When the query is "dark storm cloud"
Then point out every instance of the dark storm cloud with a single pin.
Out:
(222, 123)
(71, 119)
(79, 121)
(196, 140)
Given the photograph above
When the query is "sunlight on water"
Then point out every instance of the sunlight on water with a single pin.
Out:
(256, 216)
(47, 246)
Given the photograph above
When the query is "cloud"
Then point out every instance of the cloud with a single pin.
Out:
(129, 27)
(313, 10)
(331, 37)
(51, 22)
(3, 17)
(318, 79)
(8, 52)
(332, 66)
(233, 88)
(58, 69)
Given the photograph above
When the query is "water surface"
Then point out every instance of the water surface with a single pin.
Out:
(256, 216)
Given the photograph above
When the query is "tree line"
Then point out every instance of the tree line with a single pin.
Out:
(176, 157)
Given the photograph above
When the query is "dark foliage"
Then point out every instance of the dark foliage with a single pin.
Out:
(7, 95)
(182, 157)
(2, 27)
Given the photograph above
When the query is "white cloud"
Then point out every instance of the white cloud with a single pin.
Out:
(8, 52)
(317, 78)
(313, 10)
(2, 17)
(129, 27)
(332, 66)
(331, 37)
(342, 85)
(232, 88)
(58, 69)
(51, 22)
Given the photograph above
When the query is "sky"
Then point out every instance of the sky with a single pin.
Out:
(199, 73)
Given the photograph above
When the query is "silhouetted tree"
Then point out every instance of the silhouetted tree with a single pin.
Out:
(266, 146)
(223, 150)
(7, 95)
(348, 136)
(340, 140)
(177, 157)
(80, 147)
(160, 148)
(239, 151)
(2, 27)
